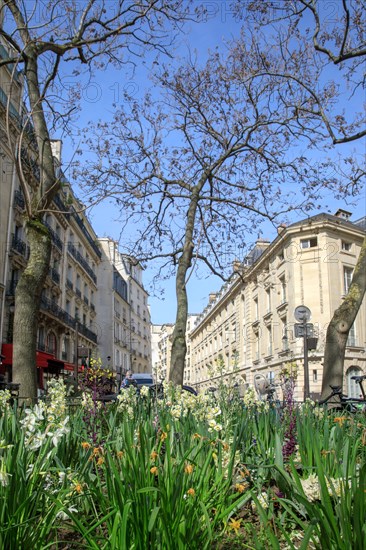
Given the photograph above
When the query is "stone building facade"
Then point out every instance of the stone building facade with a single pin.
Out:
(249, 327)
(123, 312)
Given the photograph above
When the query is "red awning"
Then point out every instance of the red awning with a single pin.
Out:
(42, 358)
(69, 366)
(7, 351)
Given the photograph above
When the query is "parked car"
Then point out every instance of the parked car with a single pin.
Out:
(137, 379)
(143, 379)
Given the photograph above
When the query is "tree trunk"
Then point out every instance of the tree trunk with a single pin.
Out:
(27, 303)
(340, 325)
(179, 346)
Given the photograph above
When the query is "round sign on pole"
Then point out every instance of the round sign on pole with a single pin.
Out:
(302, 314)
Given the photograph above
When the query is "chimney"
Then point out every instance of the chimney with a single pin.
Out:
(344, 214)
(281, 228)
(262, 244)
(237, 265)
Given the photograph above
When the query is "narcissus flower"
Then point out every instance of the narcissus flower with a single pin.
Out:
(78, 488)
(153, 455)
(191, 492)
(340, 420)
(154, 470)
(85, 445)
(188, 468)
(235, 525)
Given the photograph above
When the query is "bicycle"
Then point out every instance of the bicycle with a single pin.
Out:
(338, 401)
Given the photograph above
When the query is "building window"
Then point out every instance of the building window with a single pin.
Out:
(41, 335)
(256, 309)
(285, 345)
(283, 290)
(347, 278)
(346, 246)
(353, 389)
(269, 340)
(268, 294)
(351, 340)
(309, 243)
(315, 375)
(51, 343)
(257, 346)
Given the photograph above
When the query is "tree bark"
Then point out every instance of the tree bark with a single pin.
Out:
(340, 325)
(27, 303)
(179, 346)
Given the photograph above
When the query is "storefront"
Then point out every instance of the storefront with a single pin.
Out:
(48, 366)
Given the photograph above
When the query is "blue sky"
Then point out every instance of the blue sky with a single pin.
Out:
(107, 88)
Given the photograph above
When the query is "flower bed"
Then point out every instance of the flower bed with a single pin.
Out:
(179, 472)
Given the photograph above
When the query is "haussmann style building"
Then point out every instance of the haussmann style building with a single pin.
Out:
(249, 327)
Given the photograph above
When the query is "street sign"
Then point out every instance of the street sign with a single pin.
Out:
(300, 330)
(83, 351)
(302, 314)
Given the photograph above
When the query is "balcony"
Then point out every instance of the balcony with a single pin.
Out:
(51, 307)
(55, 238)
(282, 306)
(267, 316)
(11, 289)
(54, 309)
(88, 333)
(86, 233)
(82, 261)
(59, 203)
(29, 165)
(54, 274)
(19, 199)
(20, 246)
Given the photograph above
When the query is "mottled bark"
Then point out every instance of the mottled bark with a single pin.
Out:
(27, 303)
(179, 346)
(340, 325)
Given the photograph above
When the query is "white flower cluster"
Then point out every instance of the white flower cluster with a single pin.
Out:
(144, 391)
(200, 406)
(4, 400)
(262, 501)
(4, 476)
(250, 398)
(127, 400)
(47, 420)
(311, 487)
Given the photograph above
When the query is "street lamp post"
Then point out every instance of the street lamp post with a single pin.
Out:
(303, 315)
(306, 363)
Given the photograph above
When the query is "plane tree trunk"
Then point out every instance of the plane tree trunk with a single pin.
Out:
(27, 303)
(340, 325)
(179, 346)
